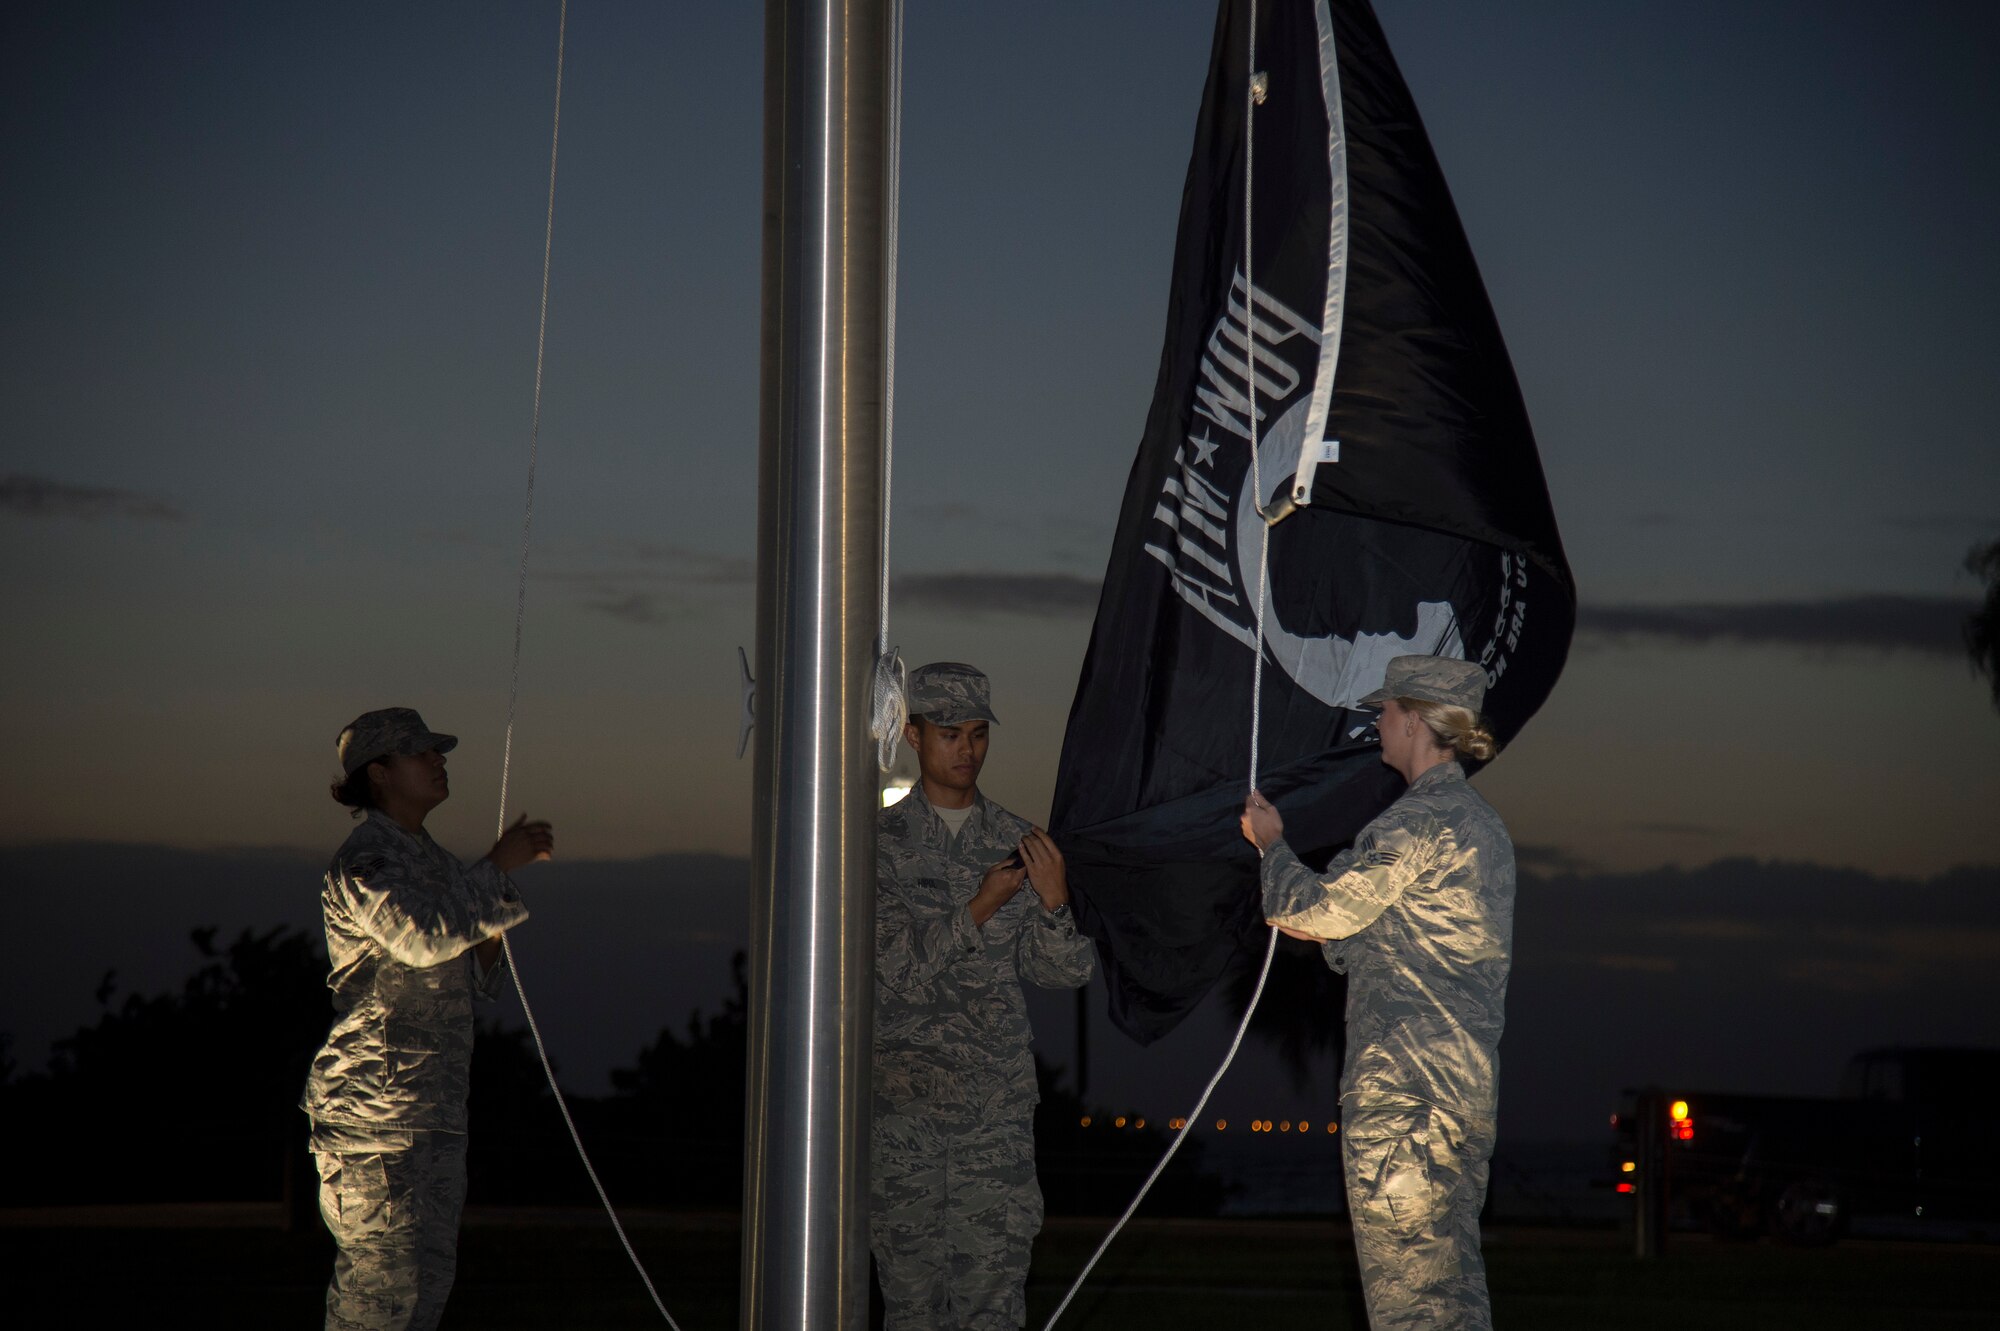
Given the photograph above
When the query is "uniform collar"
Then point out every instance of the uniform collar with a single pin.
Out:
(383, 820)
(934, 826)
(1447, 770)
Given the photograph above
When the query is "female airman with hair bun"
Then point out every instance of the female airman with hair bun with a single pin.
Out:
(1419, 915)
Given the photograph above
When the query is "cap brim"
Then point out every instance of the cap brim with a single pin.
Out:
(1375, 700)
(428, 742)
(953, 719)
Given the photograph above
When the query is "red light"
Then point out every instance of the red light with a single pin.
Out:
(1624, 1187)
(1684, 1130)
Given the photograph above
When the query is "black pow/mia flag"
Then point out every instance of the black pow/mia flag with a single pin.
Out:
(1387, 418)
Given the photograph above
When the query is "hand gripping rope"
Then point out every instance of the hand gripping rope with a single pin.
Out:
(1253, 94)
(514, 678)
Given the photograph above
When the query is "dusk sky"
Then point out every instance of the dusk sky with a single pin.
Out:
(271, 281)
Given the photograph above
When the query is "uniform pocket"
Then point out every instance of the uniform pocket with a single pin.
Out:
(354, 1197)
(1391, 1159)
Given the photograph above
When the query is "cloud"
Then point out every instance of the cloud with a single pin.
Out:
(1694, 830)
(1931, 625)
(1037, 595)
(40, 497)
(629, 606)
(1760, 978)
(1715, 928)
(657, 583)
(1812, 924)
(687, 564)
(1548, 859)
(1963, 521)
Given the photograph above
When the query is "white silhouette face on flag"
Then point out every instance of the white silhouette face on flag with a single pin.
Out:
(1213, 518)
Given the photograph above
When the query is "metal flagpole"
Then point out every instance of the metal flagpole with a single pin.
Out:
(819, 530)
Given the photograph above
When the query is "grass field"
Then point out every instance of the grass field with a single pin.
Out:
(554, 1269)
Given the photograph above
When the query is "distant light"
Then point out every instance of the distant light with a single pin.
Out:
(1256, 1125)
(1683, 1127)
(1221, 1124)
(1304, 1126)
(897, 788)
(1140, 1123)
(1629, 1167)
(1286, 1126)
(1118, 1122)
(1333, 1127)
(1614, 1120)
(1084, 1121)
(1176, 1123)
(1625, 1187)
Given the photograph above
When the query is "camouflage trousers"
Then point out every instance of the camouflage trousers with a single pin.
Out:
(391, 1198)
(953, 1212)
(1416, 1179)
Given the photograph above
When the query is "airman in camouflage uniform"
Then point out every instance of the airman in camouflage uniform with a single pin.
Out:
(1419, 915)
(954, 1206)
(412, 934)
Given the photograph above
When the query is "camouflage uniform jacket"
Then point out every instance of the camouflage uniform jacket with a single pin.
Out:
(951, 1023)
(402, 916)
(1423, 906)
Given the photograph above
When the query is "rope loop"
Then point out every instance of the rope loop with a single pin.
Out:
(889, 709)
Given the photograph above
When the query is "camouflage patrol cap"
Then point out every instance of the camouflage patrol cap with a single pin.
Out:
(1442, 679)
(391, 730)
(947, 693)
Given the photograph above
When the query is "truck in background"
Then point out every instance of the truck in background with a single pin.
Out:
(1912, 1141)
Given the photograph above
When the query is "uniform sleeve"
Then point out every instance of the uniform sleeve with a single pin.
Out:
(422, 913)
(1050, 952)
(919, 931)
(1391, 853)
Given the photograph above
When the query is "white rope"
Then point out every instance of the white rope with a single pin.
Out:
(1187, 1126)
(889, 706)
(514, 677)
(891, 248)
(1250, 99)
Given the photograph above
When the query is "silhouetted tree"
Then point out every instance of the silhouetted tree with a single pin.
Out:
(517, 1149)
(674, 1120)
(1982, 626)
(190, 1095)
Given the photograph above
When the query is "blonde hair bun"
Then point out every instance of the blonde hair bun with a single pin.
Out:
(1457, 728)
